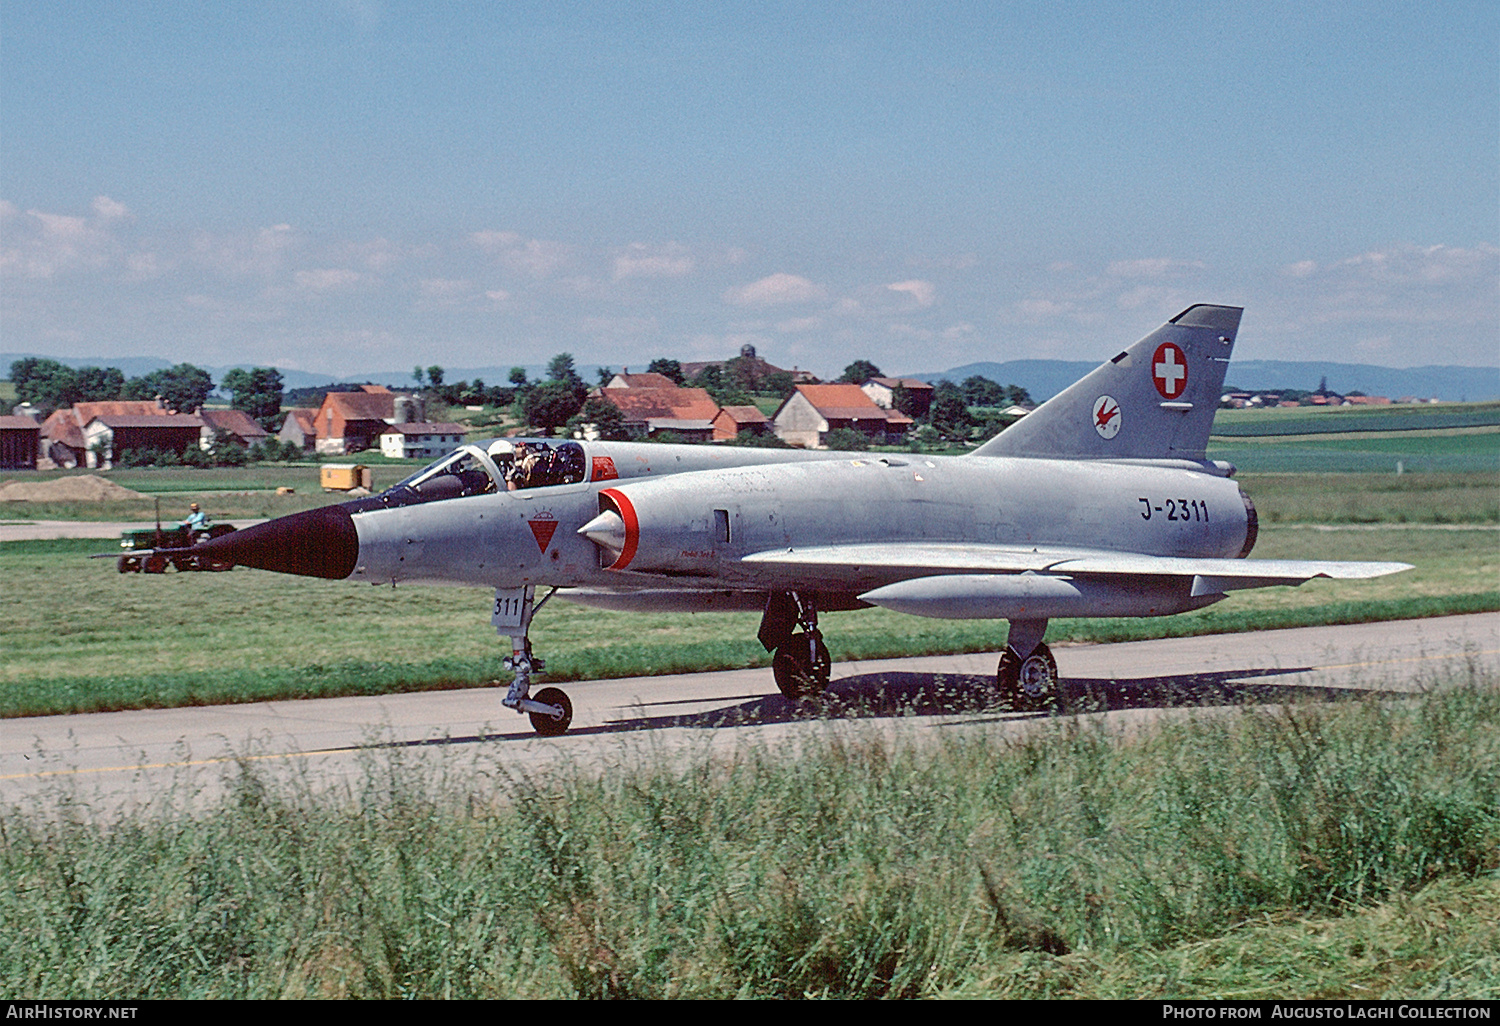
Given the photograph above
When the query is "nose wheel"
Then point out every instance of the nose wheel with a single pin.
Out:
(550, 710)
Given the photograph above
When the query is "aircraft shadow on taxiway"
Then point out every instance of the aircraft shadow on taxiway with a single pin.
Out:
(893, 695)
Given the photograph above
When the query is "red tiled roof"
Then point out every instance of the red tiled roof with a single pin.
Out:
(848, 402)
(643, 404)
(909, 384)
(165, 420)
(746, 415)
(19, 424)
(304, 417)
(647, 379)
(363, 405)
(236, 422)
(85, 412)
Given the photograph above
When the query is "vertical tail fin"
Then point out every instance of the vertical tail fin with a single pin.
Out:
(1156, 400)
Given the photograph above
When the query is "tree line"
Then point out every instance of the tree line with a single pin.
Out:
(49, 385)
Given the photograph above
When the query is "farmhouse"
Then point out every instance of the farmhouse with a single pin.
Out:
(625, 379)
(883, 392)
(109, 437)
(421, 441)
(812, 411)
(20, 438)
(353, 421)
(688, 412)
(731, 420)
(300, 428)
(237, 425)
(62, 440)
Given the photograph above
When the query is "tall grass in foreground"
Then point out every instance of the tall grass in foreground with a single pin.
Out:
(1060, 859)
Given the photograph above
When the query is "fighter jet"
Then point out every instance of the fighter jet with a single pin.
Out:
(1099, 503)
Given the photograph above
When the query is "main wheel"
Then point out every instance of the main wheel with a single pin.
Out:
(552, 726)
(1029, 683)
(802, 666)
(156, 564)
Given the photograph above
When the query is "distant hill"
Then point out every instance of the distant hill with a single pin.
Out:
(1045, 378)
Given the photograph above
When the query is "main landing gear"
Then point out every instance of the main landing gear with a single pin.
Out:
(801, 664)
(1027, 681)
(1026, 676)
(550, 710)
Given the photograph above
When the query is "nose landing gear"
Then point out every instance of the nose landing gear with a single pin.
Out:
(550, 711)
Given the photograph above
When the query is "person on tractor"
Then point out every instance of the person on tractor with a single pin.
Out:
(197, 524)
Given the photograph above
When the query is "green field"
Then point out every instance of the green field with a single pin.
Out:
(1312, 420)
(1449, 452)
(1425, 439)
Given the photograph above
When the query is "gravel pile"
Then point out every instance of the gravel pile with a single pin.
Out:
(82, 488)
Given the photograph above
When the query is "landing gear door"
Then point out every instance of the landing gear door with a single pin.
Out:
(511, 609)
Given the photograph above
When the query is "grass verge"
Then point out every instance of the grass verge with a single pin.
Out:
(1346, 850)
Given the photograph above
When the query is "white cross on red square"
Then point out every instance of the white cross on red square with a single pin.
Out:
(1169, 370)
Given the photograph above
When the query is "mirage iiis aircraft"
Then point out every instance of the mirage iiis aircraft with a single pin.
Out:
(1099, 503)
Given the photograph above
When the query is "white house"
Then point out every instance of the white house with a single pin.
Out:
(421, 441)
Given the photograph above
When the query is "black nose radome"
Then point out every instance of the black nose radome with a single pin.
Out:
(314, 543)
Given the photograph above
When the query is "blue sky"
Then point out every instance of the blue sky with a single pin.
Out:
(347, 186)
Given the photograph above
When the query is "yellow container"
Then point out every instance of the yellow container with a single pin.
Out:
(341, 477)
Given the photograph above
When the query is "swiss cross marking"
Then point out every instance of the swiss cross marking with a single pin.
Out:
(1169, 370)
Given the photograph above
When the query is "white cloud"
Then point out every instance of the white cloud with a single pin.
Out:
(1301, 269)
(444, 288)
(536, 257)
(327, 279)
(107, 209)
(641, 261)
(1039, 311)
(1159, 267)
(774, 290)
(41, 245)
(924, 292)
(262, 253)
(797, 325)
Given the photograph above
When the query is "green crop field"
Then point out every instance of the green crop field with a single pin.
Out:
(1466, 452)
(1313, 420)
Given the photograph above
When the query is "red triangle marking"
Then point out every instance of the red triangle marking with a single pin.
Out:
(543, 530)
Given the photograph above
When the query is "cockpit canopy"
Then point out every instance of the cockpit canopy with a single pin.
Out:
(504, 464)
(465, 471)
(536, 463)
